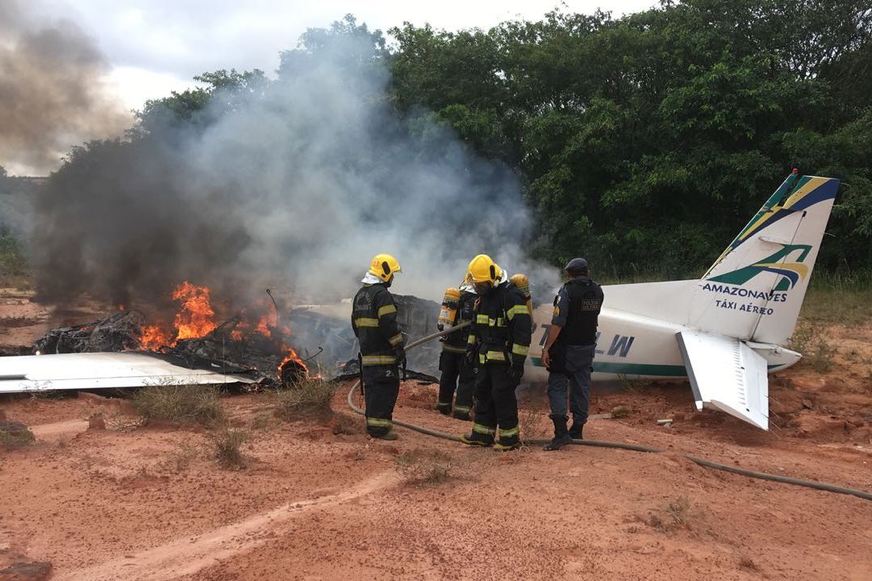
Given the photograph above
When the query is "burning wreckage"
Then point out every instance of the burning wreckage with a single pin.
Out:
(255, 351)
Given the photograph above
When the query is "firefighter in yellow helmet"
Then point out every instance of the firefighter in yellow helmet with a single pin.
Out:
(500, 340)
(457, 374)
(374, 320)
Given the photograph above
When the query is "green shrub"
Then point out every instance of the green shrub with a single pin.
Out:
(14, 435)
(228, 450)
(307, 397)
(179, 404)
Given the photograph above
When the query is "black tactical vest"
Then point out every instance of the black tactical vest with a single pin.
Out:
(585, 302)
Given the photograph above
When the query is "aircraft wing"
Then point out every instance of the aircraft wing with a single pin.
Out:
(727, 375)
(99, 370)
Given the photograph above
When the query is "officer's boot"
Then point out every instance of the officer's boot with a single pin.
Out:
(576, 429)
(561, 436)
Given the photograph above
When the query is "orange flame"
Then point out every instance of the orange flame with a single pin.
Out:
(153, 337)
(263, 326)
(292, 356)
(195, 318)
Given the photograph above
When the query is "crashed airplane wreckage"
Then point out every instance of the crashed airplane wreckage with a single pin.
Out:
(110, 353)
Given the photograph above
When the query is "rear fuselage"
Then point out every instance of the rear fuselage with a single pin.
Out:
(631, 346)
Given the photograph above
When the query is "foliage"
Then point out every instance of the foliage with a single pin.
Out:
(649, 140)
(643, 142)
(14, 435)
(425, 467)
(307, 397)
(228, 450)
(179, 404)
(12, 258)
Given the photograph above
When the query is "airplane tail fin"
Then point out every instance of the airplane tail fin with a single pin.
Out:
(755, 289)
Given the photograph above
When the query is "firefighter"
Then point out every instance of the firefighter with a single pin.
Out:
(458, 374)
(499, 339)
(374, 320)
(569, 350)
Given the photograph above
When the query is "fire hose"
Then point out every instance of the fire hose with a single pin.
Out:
(618, 445)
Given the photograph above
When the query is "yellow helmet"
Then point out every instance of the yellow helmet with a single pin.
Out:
(483, 269)
(384, 266)
(522, 283)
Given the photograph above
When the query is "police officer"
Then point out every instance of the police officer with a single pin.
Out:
(500, 339)
(457, 373)
(569, 350)
(374, 320)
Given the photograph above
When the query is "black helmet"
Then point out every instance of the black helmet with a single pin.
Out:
(576, 266)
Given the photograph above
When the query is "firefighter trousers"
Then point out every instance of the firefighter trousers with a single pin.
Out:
(459, 375)
(381, 386)
(496, 405)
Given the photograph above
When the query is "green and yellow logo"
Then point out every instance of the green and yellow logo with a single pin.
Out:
(791, 272)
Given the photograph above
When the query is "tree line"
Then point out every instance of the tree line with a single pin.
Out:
(643, 142)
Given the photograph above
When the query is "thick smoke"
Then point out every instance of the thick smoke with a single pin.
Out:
(295, 187)
(51, 91)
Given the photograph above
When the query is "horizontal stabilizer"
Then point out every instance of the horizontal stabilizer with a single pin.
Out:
(99, 370)
(727, 375)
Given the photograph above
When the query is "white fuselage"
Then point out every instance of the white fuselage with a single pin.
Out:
(631, 346)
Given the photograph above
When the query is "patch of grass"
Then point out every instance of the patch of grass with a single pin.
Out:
(621, 411)
(305, 398)
(182, 457)
(425, 467)
(14, 435)
(840, 297)
(228, 449)
(346, 425)
(532, 425)
(261, 421)
(676, 514)
(179, 404)
(816, 350)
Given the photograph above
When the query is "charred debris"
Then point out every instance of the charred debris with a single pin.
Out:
(322, 343)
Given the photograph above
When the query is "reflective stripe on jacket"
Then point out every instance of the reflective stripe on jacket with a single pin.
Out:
(502, 326)
(374, 320)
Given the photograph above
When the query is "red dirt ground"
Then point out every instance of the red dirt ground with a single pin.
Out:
(132, 502)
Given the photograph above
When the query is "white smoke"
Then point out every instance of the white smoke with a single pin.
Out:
(297, 187)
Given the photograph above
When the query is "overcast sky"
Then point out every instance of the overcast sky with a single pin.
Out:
(154, 46)
(103, 59)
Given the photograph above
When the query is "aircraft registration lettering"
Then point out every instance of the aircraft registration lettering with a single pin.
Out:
(620, 345)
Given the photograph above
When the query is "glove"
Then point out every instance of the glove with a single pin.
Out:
(516, 367)
(470, 355)
(440, 326)
(400, 352)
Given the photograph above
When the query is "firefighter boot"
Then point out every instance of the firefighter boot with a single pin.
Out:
(390, 435)
(509, 439)
(461, 413)
(561, 436)
(480, 436)
(576, 429)
(443, 408)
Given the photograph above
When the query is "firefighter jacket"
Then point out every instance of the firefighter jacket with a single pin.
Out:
(456, 342)
(374, 320)
(502, 326)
